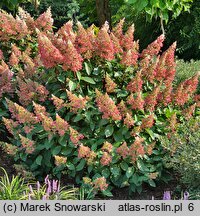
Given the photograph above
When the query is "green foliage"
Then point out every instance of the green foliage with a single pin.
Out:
(12, 189)
(186, 159)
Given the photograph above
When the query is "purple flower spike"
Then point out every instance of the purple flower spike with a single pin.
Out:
(29, 196)
(46, 179)
(186, 195)
(38, 185)
(55, 185)
(167, 195)
(58, 189)
(44, 197)
(49, 187)
(31, 189)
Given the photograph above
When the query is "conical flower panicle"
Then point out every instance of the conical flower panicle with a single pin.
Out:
(136, 149)
(59, 160)
(123, 150)
(58, 103)
(45, 21)
(116, 44)
(188, 112)
(30, 90)
(76, 103)
(61, 125)
(127, 39)
(1, 55)
(27, 144)
(180, 95)
(173, 122)
(136, 101)
(50, 55)
(24, 15)
(107, 106)
(128, 121)
(110, 84)
(165, 97)
(104, 47)
(123, 109)
(191, 84)
(75, 137)
(66, 32)
(39, 111)
(147, 122)
(72, 59)
(21, 28)
(154, 48)
(15, 56)
(6, 85)
(100, 184)
(118, 30)
(151, 99)
(48, 123)
(83, 43)
(135, 85)
(10, 125)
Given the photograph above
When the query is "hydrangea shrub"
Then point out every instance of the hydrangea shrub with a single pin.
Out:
(87, 103)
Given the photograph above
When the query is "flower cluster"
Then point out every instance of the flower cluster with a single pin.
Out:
(59, 160)
(76, 103)
(61, 125)
(136, 149)
(27, 144)
(108, 147)
(107, 106)
(58, 103)
(106, 159)
(110, 84)
(128, 121)
(147, 122)
(135, 85)
(100, 184)
(83, 151)
(6, 82)
(123, 150)
(75, 137)
(136, 101)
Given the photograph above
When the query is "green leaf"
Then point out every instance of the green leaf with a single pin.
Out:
(70, 165)
(107, 193)
(39, 160)
(129, 172)
(134, 179)
(81, 165)
(72, 85)
(87, 68)
(105, 172)
(141, 166)
(109, 130)
(115, 170)
(124, 166)
(88, 79)
(78, 117)
(141, 4)
(78, 75)
(151, 183)
(56, 150)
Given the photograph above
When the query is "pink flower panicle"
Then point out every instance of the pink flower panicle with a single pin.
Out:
(38, 110)
(83, 44)
(180, 96)
(188, 112)
(27, 144)
(45, 21)
(106, 159)
(123, 109)
(15, 56)
(10, 125)
(1, 55)
(48, 124)
(76, 103)
(149, 148)
(118, 30)
(6, 82)
(91, 158)
(130, 57)
(58, 103)
(173, 122)
(190, 85)
(108, 147)
(127, 40)
(136, 149)
(123, 150)
(153, 48)
(116, 44)
(135, 85)
(30, 90)
(166, 95)
(147, 122)
(25, 16)
(110, 84)
(72, 59)
(107, 106)
(104, 47)
(75, 137)
(83, 151)
(100, 184)
(151, 99)
(61, 125)
(128, 121)
(136, 101)
(50, 55)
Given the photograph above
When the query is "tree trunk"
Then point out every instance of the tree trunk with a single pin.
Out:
(103, 12)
